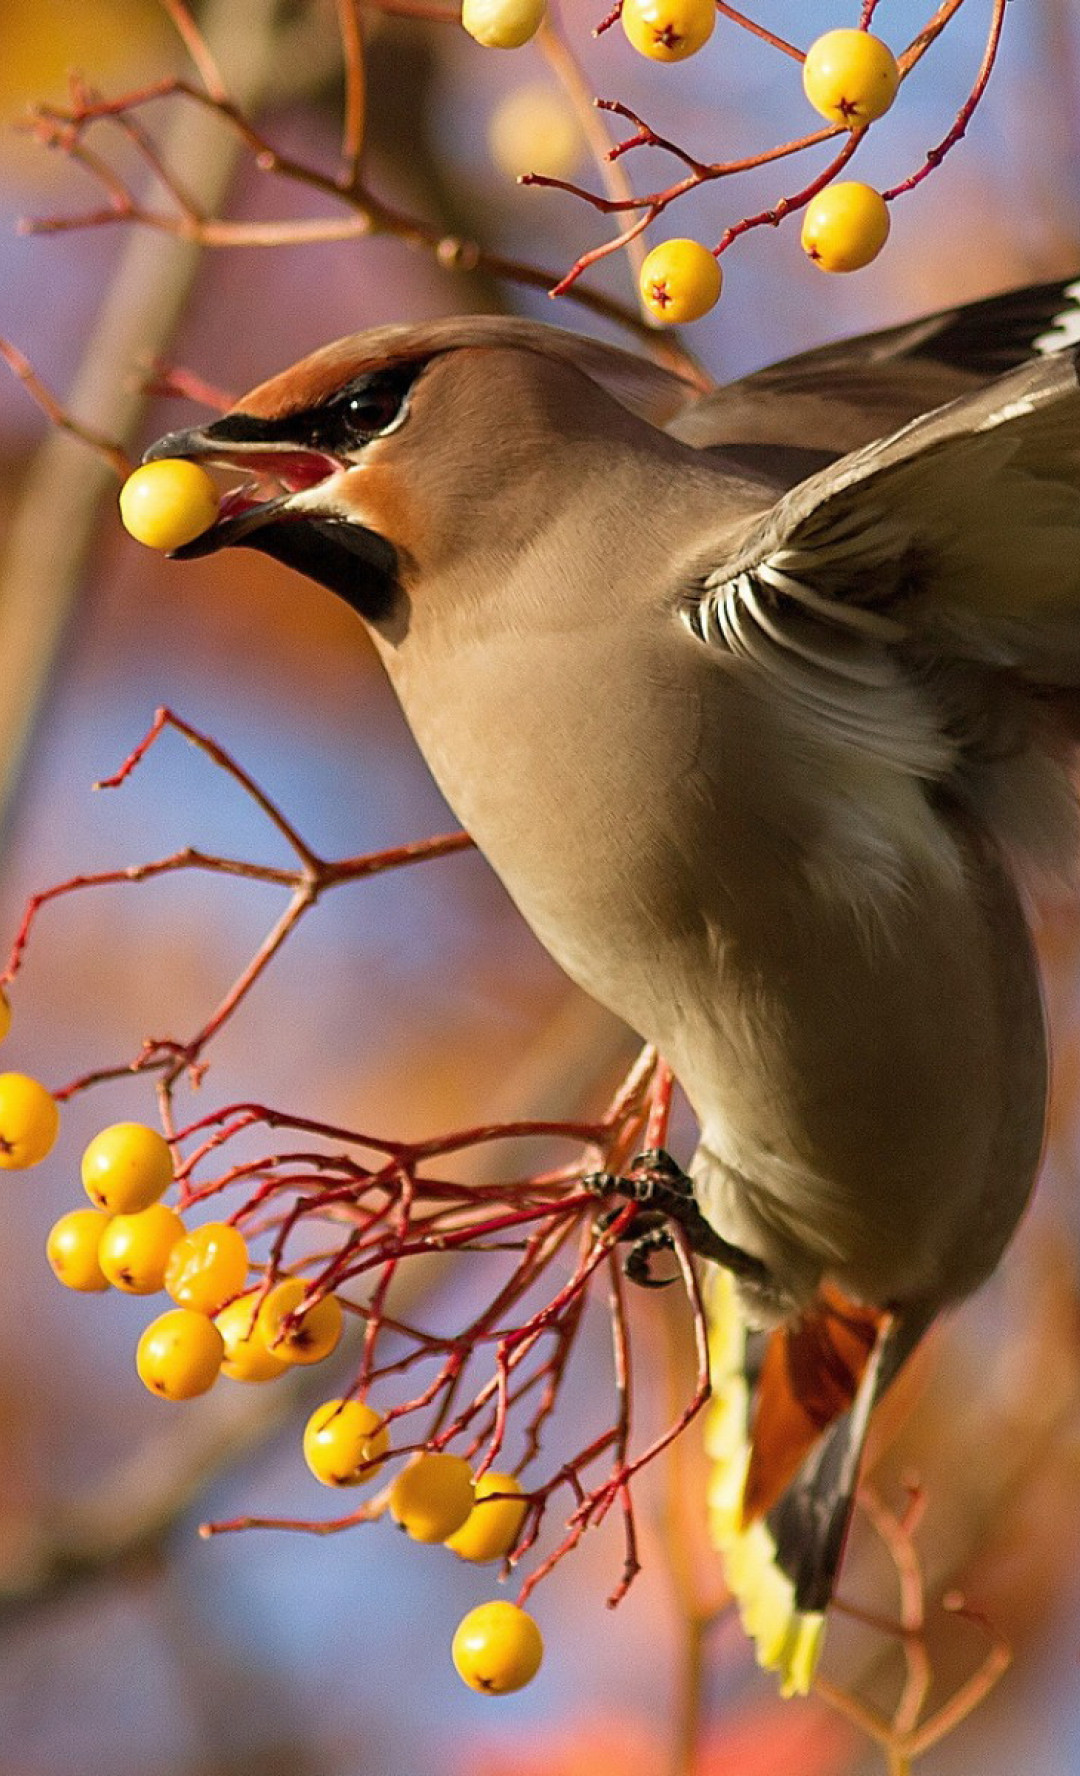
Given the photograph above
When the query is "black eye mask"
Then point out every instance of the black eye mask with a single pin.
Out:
(364, 409)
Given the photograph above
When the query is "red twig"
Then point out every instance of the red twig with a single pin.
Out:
(113, 453)
(623, 1425)
(165, 718)
(313, 876)
(198, 49)
(904, 1734)
(749, 24)
(173, 381)
(366, 213)
(967, 110)
(352, 135)
(773, 217)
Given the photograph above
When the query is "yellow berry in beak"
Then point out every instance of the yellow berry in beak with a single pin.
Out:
(169, 503)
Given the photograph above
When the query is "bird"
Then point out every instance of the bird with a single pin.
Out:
(762, 703)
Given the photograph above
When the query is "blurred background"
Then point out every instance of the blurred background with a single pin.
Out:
(127, 1645)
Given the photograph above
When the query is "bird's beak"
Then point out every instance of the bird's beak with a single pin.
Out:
(276, 508)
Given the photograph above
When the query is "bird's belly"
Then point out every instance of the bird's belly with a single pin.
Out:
(880, 1118)
(871, 1103)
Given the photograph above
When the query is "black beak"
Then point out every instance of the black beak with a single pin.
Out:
(337, 552)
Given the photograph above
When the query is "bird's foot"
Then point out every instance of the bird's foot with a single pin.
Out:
(648, 1234)
(665, 1194)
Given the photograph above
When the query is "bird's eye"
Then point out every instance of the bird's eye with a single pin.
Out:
(373, 410)
(363, 410)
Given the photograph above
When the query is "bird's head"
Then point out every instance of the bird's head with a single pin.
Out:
(382, 456)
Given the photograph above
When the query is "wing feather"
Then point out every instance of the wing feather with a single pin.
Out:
(961, 528)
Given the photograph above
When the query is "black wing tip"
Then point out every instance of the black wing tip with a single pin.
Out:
(999, 332)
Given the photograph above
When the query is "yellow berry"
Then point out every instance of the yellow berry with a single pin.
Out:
(341, 1439)
(680, 281)
(5, 1014)
(533, 130)
(207, 1267)
(497, 1648)
(126, 1168)
(503, 24)
(72, 1250)
(246, 1355)
(312, 1336)
(850, 77)
(29, 1121)
(668, 30)
(179, 1355)
(494, 1524)
(135, 1249)
(432, 1497)
(169, 503)
(845, 226)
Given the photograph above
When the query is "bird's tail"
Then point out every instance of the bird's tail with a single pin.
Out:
(785, 1433)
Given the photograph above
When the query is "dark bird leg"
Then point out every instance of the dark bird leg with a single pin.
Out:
(665, 1193)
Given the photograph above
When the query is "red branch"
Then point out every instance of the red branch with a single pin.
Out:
(909, 1732)
(359, 211)
(967, 110)
(113, 453)
(307, 882)
(385, 1203)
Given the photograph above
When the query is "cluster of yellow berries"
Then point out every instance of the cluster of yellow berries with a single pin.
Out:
(132, 1241)
(497, 1647)
(129, 1239)
(850, 77)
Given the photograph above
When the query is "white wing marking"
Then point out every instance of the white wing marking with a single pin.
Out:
(1064, 329)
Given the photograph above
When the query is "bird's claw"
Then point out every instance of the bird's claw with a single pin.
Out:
(647, 1233)
(654, 1180)
(664, 1192)
(637, 1265)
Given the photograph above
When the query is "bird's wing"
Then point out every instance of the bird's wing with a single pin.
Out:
(960, 532)
(983, 338)
(845, 394)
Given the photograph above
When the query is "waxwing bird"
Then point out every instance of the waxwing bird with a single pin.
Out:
(762, 704)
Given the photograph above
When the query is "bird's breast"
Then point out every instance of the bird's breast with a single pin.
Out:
(575, 763)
